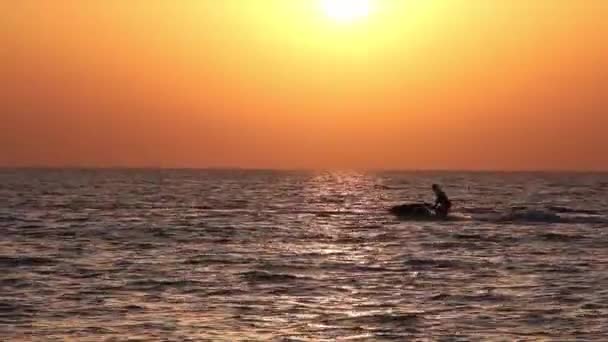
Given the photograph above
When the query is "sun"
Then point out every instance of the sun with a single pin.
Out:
(345, 11)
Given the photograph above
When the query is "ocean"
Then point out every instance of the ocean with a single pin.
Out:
(235, 255)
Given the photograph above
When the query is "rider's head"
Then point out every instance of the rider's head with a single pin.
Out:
(436, 188)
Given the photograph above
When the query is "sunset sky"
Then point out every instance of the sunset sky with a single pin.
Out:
(398, 84)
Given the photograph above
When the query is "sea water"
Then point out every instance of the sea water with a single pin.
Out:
(194, 255)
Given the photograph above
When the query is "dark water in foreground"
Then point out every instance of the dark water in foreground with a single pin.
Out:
(288, 256)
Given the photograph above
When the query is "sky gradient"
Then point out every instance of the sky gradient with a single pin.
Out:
(433, 84)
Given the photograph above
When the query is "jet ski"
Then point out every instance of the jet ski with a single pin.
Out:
(415, 211)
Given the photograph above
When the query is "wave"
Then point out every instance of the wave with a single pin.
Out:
(557, 237)
(153, 284)
(478, 210)
(375, 318)
(425, 264)
(271, 277)
(523, 214)
(486, 296)
(531, 215)
(25, 261)
(8, 218)
(540, 216)
(566, 210)
(540, 219)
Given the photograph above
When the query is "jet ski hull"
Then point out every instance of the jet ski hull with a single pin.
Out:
(416, 211)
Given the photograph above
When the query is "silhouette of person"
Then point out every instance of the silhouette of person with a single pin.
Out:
(442, 203)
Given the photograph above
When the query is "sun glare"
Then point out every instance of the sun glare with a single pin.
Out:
(346, 10)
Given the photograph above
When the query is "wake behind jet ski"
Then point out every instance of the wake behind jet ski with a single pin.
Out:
(426, 211)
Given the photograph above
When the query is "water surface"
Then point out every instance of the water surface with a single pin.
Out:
(93, 255)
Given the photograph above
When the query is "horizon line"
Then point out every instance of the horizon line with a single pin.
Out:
(303, 169)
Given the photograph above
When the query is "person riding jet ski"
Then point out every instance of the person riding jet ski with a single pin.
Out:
(442, 202)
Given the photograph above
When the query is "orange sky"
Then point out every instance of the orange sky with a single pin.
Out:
(419, 84)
